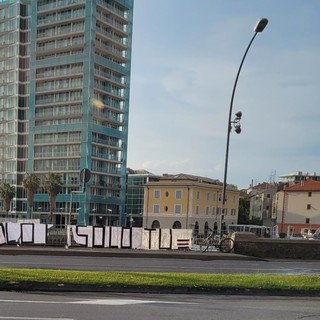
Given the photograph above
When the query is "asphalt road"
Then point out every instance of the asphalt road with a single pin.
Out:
(31, 306)
(159, 264)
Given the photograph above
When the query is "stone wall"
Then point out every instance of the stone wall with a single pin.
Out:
(278, 248)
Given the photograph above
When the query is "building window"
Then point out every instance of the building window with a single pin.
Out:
(156, 194)
(176, 225)
(177, 209)
(308, 206)
(208, 196)
(214, 197)
(309, 194)
(197, 209)
(198, 195)
(155, 224)
(307, 220)
(178, 194)
(156, 208)
(213, 211)
(233, 212)
(207, 211)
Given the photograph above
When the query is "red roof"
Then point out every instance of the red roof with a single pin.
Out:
(263, 186)
(309, 185)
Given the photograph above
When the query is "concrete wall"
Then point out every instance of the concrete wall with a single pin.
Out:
(278, 248)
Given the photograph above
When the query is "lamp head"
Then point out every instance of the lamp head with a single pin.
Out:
(237, 129)
(260, 25)
(238, 115)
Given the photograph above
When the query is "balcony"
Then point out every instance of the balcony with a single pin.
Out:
(120, 13)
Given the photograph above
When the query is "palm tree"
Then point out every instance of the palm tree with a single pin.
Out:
(53, 186)
(31, 183)
(7, 193)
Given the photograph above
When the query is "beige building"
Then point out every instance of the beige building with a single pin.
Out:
(297, 207)
(261, 196)
(188, 202)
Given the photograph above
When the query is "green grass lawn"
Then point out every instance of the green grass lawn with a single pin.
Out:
(174, 280)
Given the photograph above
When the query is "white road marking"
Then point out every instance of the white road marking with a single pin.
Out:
(31, 301)
(120, 302)
(28, 318)
(112, 302)
(109, 302)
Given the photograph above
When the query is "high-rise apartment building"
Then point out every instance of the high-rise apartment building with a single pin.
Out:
(64, 102)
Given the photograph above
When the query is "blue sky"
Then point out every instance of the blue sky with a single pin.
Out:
(186, 54)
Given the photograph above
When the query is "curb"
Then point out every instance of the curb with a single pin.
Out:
(49, 287)
(127, 253)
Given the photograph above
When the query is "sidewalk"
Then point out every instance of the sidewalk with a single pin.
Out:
(114, 252)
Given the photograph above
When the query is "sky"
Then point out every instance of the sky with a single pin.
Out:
(185, 57)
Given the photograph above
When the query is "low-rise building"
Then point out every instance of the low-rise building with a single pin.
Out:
(187, 201)
(297, 207)
(261, 202)
(298, 177)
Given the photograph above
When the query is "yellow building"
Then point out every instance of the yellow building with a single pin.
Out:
(188, 202)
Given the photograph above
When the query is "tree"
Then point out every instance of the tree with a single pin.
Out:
(7, 193)
(53, 186)
(31, 183)
(244, 210)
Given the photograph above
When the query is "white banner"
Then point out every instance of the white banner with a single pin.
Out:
(95, 237)
(23, 233)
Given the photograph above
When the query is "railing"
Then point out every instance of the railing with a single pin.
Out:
(119, 12)
(58, 4)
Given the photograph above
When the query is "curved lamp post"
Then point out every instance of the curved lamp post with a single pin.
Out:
(259, 27)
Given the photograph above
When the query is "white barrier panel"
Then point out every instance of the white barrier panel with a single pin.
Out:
(13, 231)
(23, 233)
(3, 239)
(131, 238)
(40, 233)
(181, 236)
(136, 237)
(107, 237)
(103, 237)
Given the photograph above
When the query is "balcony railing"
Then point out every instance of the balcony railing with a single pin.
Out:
(58, 4)
(121, 13)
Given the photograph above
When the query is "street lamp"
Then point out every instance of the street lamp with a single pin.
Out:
(131, 220)
(109, 211)
(259, 27)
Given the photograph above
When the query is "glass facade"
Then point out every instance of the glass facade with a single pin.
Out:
(64, 102)
(136, 181)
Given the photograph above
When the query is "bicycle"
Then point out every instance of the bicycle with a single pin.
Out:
(224, 244)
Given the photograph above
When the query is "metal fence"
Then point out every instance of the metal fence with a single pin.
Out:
(57, 236)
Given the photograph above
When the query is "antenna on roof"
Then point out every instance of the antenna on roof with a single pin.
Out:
(272, 178)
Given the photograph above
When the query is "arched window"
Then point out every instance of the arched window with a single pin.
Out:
(196, 229)
(206, 228)
(176, 225)
(215, 228)
(224, 228)
(155, 224)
